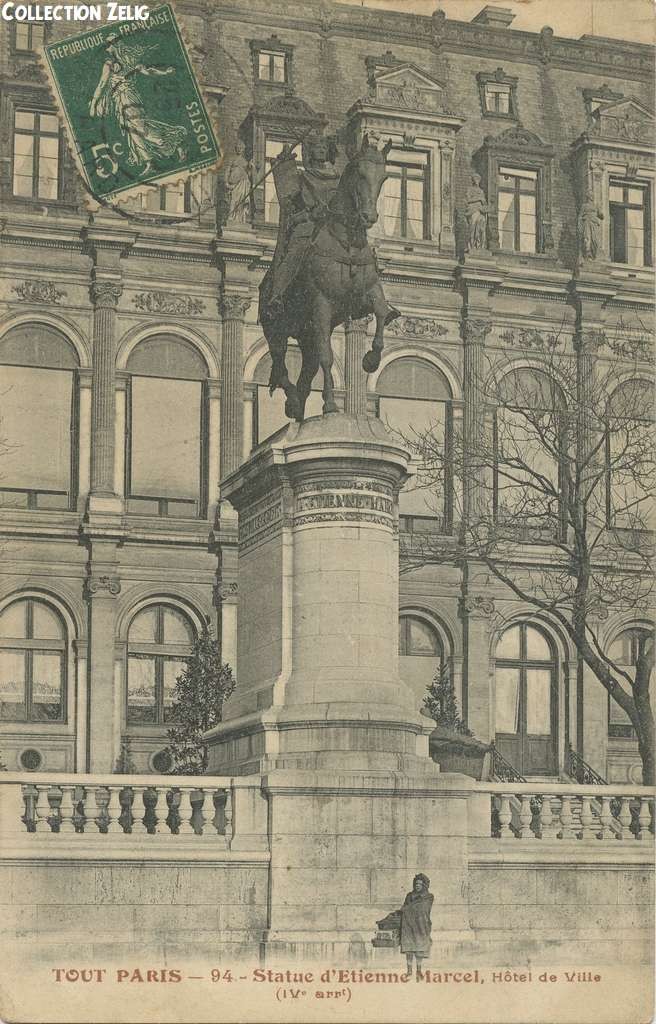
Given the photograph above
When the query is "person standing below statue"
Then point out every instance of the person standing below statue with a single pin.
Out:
(476, 214)
(304, 212)
(238, 183)
(416, 923)
(589, 228)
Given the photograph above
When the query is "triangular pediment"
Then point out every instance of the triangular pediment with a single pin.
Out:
(406, 87)
(625, 119)
(410, 75)
(625, 108)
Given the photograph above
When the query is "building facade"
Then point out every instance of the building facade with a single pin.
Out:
(135, 374)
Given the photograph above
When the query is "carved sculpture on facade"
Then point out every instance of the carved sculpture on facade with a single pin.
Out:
(39, 291)
(589, 228)
(476, 214)
(238, 180)
(425, 327)
(168, 302)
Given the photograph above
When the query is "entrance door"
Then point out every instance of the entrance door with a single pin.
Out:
(526, 700)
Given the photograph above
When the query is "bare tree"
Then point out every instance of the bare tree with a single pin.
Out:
(554, 496)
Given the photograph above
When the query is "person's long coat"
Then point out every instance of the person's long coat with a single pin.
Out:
(416, 923)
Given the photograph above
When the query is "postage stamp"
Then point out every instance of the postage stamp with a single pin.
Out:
(133, 108)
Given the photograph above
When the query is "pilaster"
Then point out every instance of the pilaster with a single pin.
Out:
(233, 308)
(476, 612)
(102, 587)
(356, 380)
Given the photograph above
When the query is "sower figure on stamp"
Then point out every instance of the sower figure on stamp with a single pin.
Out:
(416, 922)
(117, 95)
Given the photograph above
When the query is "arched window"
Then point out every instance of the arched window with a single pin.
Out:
(526, 700)
(38, 420)
(624, 652)
(421, 653)
(159, 639)
(269, 410)
(414, 398)
(630, 456)
(32, 663)
(166, 454)
(528, 437)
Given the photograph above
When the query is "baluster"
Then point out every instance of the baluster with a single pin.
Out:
(207, 812)
(67, 809)
(606, 819)
(137, 811)
(566, 818)
(505, 816)
(548, 829)
(525, 817)
(624, 818)
(644, 819)
(42, 810)
(228, 817)
(587, 819)
(114, 810)
(161, 812)
(91, 810)
(185, 811)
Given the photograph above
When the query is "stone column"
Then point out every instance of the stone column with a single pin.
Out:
(356, 378)
(233, 310)
(478, 702)
(101, 590)
(105, 293)
(474, 332)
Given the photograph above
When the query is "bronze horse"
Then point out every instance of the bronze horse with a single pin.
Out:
(338, 280)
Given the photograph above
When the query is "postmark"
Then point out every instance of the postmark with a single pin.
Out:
(133, 108)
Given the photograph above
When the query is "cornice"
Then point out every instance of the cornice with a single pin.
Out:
(589, 54)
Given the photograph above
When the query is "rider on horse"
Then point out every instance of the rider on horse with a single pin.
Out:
(302, 213)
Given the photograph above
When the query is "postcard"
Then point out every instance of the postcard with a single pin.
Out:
(326, 512)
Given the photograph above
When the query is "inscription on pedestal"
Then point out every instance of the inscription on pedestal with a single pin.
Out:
(346, 500)
(262, 521)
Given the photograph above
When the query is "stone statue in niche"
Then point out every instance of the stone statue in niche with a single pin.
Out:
(476, 214)
(589, 228)
(238, 180)
(410, 926)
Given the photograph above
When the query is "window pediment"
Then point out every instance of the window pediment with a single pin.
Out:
(625, 119)
(516, 141)
(405, 87)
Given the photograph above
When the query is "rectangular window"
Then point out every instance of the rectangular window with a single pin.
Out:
(28, 36)
(36, 430)
(413, 418)
(174, 199)
(404, 196)
(497, 98)
(517, 203)
(36, 155)
(165, 450)
(630, 223)
(628, 470)
(271, 66)
(273, 148)
(522, 441)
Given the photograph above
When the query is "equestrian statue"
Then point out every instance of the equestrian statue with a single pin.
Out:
(323, 271)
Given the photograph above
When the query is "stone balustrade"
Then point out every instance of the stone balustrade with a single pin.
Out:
(570, 812)
(131, 807)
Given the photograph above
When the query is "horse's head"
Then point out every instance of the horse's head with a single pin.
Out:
(364, 178)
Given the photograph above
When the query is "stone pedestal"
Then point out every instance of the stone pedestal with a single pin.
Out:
(318, 683)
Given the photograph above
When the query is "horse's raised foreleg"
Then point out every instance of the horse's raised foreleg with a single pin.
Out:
(384, 314)
(320, 332)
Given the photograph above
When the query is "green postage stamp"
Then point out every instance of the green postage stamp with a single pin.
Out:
(132, 104)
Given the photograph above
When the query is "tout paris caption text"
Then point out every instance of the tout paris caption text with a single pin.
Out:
(295, 985)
